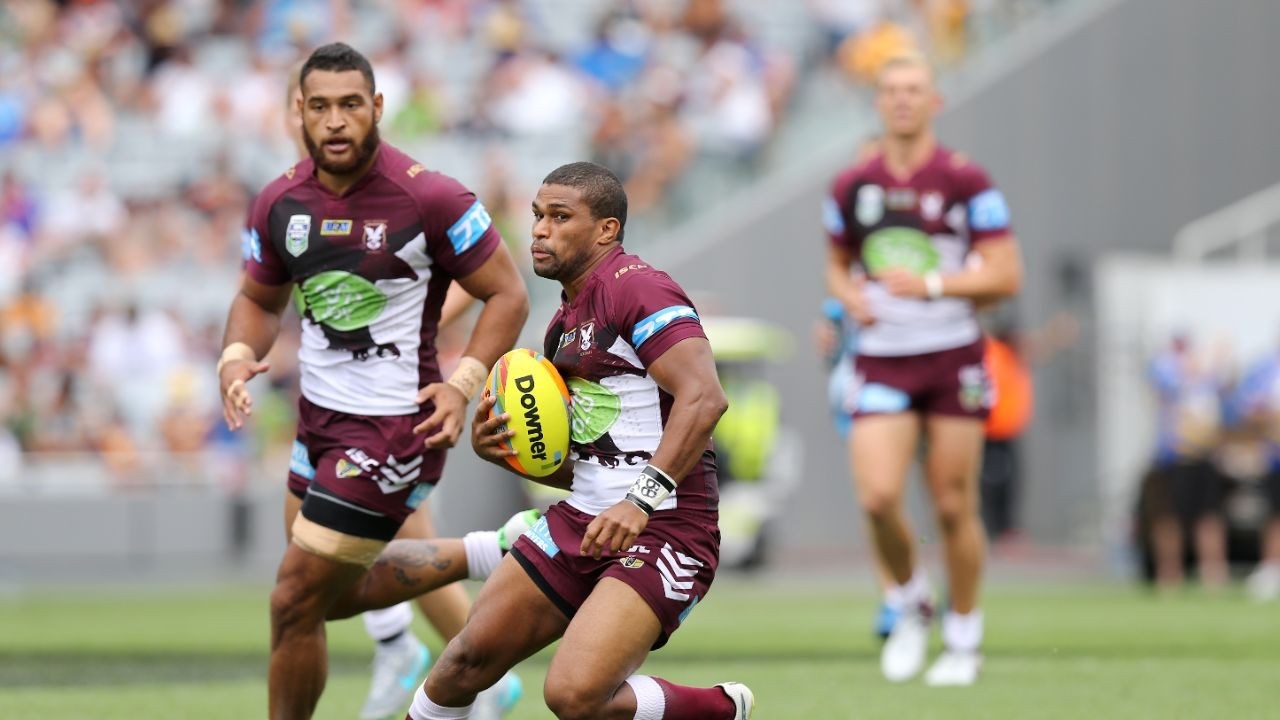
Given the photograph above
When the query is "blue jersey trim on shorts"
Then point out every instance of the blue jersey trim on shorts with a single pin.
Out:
(685, 613)
(651, 325)
(880, 398)
(540, 535)
(469, 228)
(300, 462)
(419, 494)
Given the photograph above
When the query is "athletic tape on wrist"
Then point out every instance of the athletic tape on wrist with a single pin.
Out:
(933, 284)
(236, 351)
(651, 487)
(469, 376)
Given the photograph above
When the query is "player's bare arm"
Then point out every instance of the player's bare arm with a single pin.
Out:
(998, 275)
(490, 438)
(499, 286)
(456, 302)
(688, 371)
(252, 326)
(847, 286)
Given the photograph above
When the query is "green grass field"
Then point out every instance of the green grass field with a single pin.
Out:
(1095, 652)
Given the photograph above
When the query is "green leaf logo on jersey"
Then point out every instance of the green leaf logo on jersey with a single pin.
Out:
(899, 247)
(594, 410)
(340, 300)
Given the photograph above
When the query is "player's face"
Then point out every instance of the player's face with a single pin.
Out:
(564, 233)
(339, 120)
(906, 100)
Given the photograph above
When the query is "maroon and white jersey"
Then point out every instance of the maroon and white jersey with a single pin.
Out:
(625, 317)
(926, 222)
(371, 270)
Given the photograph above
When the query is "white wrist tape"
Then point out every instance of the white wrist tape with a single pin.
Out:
(933, 284)
(652, 486)
(469, 376)
(236, 351)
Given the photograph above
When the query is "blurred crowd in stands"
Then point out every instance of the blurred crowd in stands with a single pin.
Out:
(132, 135)
(1212, 493)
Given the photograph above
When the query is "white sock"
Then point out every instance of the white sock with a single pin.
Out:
(483, 553)
(917, 588)
(913, 591)
(388, 622)
(423, 709)
(962, 633)
(650, 702)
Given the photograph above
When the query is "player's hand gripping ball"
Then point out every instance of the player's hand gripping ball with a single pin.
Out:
(526, 386)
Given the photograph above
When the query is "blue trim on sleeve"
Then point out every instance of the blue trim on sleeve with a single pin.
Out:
(651, 325)
(988, 211)
(832, 218)
(469, 228)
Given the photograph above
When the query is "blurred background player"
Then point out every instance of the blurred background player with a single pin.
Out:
(617, 567)
(368, 346)
(910, 217)
(1257, 400)
(1185, 487)
(400, 659)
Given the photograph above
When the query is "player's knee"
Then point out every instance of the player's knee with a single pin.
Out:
(293, 605)
(954, 510)
(880, 505)
(461, 668)
(569, 699)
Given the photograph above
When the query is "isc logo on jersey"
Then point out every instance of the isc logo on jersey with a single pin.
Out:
(525, 385)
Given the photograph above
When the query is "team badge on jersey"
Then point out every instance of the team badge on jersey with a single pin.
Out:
(870, 205)
(931, 206)
(375, 235)
(297, 234)
(587, 334)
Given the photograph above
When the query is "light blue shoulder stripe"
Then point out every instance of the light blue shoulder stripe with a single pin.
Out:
(469, 228)
(650, 326)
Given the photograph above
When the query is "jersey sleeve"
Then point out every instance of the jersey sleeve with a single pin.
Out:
(261, 261)
(653, 313)
(986, 209)
(460, 233)
(834, 212)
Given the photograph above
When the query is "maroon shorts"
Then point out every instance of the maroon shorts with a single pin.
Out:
(671, 565)
(947, 382)
(361, 475)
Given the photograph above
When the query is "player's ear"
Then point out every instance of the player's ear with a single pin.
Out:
(377, 108)
(609, 228)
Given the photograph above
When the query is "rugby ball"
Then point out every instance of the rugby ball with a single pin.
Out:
(526, 386)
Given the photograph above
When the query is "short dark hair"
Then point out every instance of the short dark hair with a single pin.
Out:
(337, 57)
(600, 188)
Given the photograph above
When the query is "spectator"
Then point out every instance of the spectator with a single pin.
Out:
(1185, 490)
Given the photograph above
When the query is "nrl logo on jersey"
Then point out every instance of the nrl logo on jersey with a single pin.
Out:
(869, 207)
(297, 234)
(375, 235)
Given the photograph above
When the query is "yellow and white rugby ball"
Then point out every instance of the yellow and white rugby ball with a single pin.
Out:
(526, 386)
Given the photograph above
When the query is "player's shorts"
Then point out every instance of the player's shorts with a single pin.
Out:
(948, 382)
(1186, 489)
(671, 565)
(1271, 488)
(361, 475)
